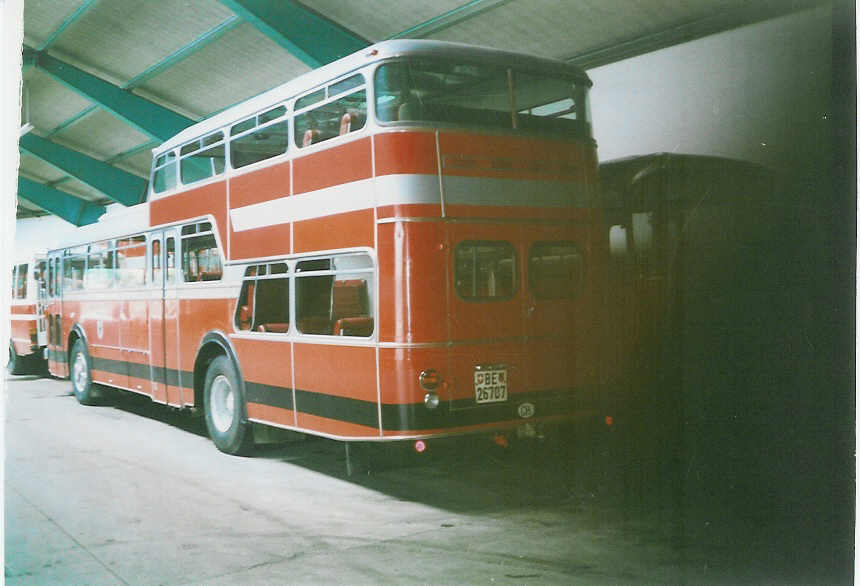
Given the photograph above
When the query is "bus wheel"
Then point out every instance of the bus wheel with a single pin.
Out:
(16, 363)
(224, 407)
(81, 374)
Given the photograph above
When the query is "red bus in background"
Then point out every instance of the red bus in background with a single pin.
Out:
(402, 244)
(28, 335)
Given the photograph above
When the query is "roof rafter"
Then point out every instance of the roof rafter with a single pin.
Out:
(311, 37)
(68, 207)
(120, 186)
(150, 118)
(206, 38)
(70, 20)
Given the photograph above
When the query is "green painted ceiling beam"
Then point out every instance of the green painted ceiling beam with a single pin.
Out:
(119, 185)
(68, 207)
(311, 37)
(150, 118)
(449, 19)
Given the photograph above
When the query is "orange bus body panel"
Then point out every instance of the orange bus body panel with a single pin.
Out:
(260, 185)
(351, 229)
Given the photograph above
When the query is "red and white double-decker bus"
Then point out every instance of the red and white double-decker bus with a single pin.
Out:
(28, 334)
(402, 244)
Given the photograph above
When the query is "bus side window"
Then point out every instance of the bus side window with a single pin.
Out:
(21, 286)
(338, 302)
(131, 262)
(170, 262)
(264, 301)
(338, 117)
(313, 304)
(164, 173)
(201, 260)
(155, 251)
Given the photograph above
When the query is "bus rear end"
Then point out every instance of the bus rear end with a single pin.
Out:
(28, 335)
(491, 274)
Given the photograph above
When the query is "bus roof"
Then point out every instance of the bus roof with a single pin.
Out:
(373, 53)
(117, 222)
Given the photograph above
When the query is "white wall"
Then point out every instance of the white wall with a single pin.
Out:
(759, 93)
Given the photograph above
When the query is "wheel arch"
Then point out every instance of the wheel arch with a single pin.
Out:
(214, 344)
(75, 334)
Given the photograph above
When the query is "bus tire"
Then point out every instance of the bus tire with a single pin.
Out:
(81, 373)
(16, 363)
(224, 408)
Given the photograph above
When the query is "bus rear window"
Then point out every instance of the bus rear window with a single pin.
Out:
(556, 270)
(420, 91)
(484, 271)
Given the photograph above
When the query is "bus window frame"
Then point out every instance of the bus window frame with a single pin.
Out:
(582, 89)
(328, 99)
(167, 158)
(203, 146)
(516, 277)
(267, 274)
(182, 236)
(285, 118)
(577, 290)
(333, 271)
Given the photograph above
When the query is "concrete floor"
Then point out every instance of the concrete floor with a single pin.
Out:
(133, 493)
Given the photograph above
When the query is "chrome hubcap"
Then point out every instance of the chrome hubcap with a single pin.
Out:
(223, 403)
(79, 372)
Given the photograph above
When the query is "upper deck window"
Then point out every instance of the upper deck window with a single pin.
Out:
(164, 174)
(202, 158)
(480, 95)
(258, 138)
(337, 110)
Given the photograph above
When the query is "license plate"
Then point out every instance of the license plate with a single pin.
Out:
(491, 384)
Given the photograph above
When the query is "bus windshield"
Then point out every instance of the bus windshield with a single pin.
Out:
(438, 91)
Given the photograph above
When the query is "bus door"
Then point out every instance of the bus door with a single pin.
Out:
(485, 321)
(164, 318)
(555, 337)
(40, 277)
(135, 341)
(58, 364)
